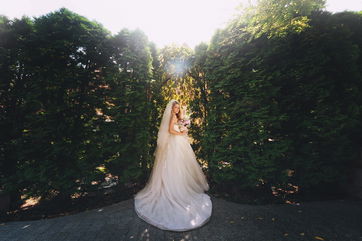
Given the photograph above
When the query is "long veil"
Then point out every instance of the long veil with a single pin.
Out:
(160, 153)
(163, 134)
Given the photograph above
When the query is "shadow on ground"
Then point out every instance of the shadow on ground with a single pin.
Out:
(317, 220)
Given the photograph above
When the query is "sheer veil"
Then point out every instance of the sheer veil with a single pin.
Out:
(163, 134)
(160, 153)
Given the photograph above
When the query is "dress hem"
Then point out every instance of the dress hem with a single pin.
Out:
(160, 226)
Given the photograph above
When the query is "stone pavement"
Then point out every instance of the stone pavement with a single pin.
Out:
(337, 220)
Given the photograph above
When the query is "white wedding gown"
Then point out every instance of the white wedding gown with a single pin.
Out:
(174, 198)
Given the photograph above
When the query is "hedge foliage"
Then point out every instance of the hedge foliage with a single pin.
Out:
(268, 108)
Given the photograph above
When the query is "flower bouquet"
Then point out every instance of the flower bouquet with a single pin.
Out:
(185, 122)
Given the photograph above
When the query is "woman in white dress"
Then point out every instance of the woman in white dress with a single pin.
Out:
(173, 198)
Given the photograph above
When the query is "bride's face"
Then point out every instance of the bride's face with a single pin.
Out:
(176, 108)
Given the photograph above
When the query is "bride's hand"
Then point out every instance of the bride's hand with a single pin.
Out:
(184, 132)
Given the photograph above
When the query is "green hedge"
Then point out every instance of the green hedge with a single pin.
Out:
(77, 103)
(284, 104)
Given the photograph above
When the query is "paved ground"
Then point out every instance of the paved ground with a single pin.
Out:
(325, 220)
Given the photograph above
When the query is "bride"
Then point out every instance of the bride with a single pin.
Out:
(173, 198)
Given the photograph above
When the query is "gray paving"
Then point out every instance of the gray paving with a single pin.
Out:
(320, 220)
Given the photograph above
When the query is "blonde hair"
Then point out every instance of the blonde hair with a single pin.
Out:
(179, 114)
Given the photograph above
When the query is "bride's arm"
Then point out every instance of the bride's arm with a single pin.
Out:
(170, 128)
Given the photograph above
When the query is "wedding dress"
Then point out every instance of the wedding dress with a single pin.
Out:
(173, 198)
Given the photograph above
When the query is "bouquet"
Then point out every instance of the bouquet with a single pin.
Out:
(185, 122)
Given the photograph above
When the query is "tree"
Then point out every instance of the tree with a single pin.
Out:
(277, 17)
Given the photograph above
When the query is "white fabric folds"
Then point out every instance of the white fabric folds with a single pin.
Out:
(173, 198)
